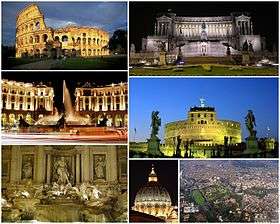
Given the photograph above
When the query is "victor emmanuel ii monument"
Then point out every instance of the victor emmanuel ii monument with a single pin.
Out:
(204, 36)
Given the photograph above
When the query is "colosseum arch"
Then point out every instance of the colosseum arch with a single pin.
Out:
(37, 39)
(44, 38)
(64, 38)
(31, 40)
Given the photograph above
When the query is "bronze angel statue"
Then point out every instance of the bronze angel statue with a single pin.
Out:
(156, 123)
(250, 123)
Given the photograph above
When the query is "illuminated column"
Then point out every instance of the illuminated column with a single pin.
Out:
(89, 100)
(115, 103)
(84, 103)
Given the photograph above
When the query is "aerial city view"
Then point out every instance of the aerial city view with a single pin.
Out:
(202, 38)
(47, 110)
(207, 121)
(229, 191)
(63, 35)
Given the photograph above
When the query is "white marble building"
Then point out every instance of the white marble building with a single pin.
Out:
(203, 36)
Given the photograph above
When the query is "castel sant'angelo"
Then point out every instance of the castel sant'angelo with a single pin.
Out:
(34, 38)
(203, 128)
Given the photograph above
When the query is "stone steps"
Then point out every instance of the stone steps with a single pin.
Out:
(207, 60)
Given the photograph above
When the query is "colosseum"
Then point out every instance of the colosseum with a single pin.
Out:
(34, 38)
(203, 128)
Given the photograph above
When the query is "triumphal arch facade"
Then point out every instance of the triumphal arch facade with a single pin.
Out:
(34, 38)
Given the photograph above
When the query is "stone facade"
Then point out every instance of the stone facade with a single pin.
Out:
(25, 100)
(34, 38)
(203, 36)
(203, 129)
(64, 183)
(110, 101)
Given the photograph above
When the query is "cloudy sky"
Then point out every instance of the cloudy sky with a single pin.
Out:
(106, 15)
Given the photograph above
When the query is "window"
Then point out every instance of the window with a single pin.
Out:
(198, 115)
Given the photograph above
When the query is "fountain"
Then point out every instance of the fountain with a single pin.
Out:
(69, 115)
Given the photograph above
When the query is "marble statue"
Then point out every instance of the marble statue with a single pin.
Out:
(62, 171)
(99, 167)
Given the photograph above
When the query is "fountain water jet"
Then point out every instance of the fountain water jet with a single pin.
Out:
(70, 117)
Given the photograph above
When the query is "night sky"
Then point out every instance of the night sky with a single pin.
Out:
(109, 16)
(142, 16)
(167, 173)
(231, 97)
(73, 79)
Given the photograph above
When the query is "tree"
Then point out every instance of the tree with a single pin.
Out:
(118, 42)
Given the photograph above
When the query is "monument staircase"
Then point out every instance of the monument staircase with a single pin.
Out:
(208, 60)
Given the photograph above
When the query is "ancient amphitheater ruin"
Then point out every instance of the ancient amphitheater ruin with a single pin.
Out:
(34, 38)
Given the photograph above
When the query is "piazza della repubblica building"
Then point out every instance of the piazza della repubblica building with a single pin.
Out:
(203, 129)
(203, 36)
(32, 101)
(34, 38)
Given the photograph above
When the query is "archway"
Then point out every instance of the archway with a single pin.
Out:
(118, 121)
(12, 119)
(73, 53)
(64, 38)
(45, 38)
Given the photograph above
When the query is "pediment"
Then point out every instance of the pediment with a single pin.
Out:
(242, 17)
(163, 18)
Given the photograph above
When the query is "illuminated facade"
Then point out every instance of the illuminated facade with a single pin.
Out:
(106, 101)
(153, 199)
(34, 38)
(203, 129)
(25, 100)
(32, 102)
(203, 36)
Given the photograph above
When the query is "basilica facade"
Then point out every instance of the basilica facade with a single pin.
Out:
(34, 38)
(203, 36)
(202, 128)
(64, 183)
